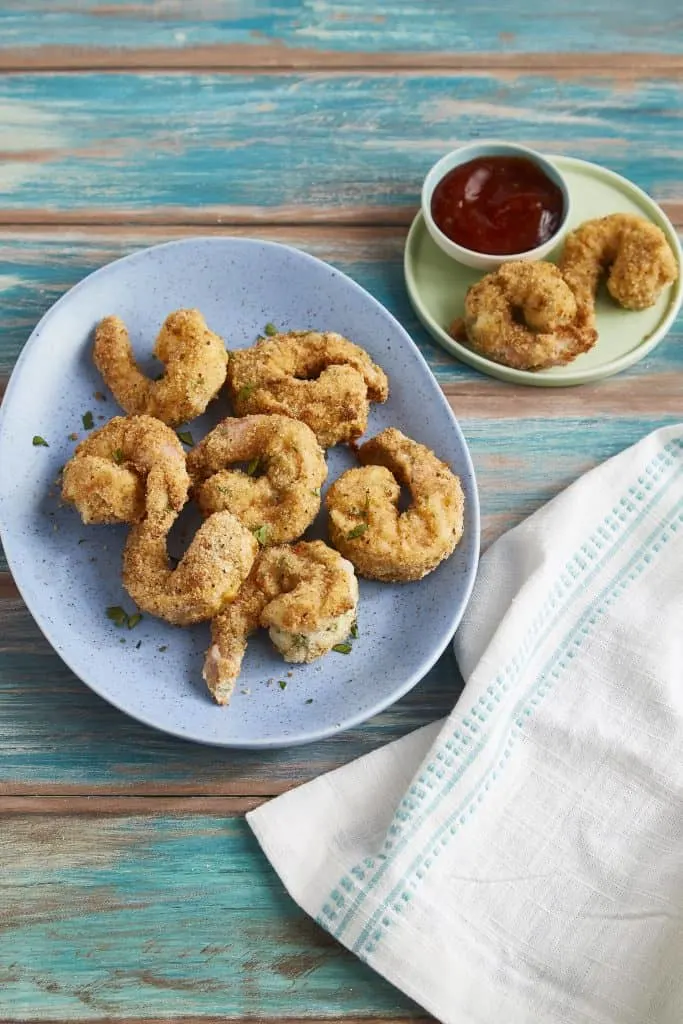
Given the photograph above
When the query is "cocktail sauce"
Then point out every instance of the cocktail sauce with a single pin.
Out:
(498, 205)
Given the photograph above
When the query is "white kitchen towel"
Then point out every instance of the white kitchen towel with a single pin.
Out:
(521, 862)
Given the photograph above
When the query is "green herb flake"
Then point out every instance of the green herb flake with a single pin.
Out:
(270, 329)
(163, 648)
(354, 631)
(245, 393)
(357, 531)
(309, 701)
(134, 620)
(253, 466)
(88, 421)
(138, 645)
(261, 534)
(300, 640)
(316, 492)
(118, 456)
(342, 648)
(39, 442)
(117, 615)
(73, 437)
(186, 437)
(83, 540)
(282, 683)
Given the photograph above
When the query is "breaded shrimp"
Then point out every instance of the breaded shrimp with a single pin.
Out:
(524, 315)
(306, 595)
(194, 357)
(208, 576)
(112, 469)
(631, 250)
(366, 524)
(320, 378)
(279, 494)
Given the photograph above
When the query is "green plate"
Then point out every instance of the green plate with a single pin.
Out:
(437, 285)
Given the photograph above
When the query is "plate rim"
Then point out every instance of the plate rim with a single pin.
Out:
(468, 577)
(568, 377)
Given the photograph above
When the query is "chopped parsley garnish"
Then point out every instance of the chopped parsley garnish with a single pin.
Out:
(316, 492)
(83, 540)
(138, 645)
(261, 534)
(73, 437)
(246, 392)
(163, 648)
(253, 466)
(354, 631)
(121, 618)
(118, 456)
(309, 701)
(117, 615)
(342, 648)
(122, 640)
(39, 442)
(186, 437)
(270, 329)
(88, 421)
(357, 531)
(282, 683)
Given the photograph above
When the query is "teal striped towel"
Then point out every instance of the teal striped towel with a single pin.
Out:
(522, 861)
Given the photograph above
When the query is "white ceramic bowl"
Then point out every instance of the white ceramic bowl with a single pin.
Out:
(480, 260)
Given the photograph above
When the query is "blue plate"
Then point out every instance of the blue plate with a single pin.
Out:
(69, 574)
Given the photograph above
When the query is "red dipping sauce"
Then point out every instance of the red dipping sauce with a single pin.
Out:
(498, 204)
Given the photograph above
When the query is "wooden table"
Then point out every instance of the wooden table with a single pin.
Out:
(130, 887)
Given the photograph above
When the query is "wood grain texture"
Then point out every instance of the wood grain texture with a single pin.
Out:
(304, 146)
(107, 917)
(342, 26)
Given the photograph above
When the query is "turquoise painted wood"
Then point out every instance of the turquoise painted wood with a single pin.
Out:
(160, 917)
(397, 26)
(56, 736)
(306, 146)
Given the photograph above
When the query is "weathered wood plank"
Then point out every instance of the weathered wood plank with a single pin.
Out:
(296, 146)
(127, 806)
(337, 27)
(630, 65)
(56, 737)
(108, 917)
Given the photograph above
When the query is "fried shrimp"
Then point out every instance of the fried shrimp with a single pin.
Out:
(524, 315)
(279, 494)
(195, 359)
(208, 576)
(320, 378)
(306, 595)
(633, 252)
(112, 470)
(365, 522)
